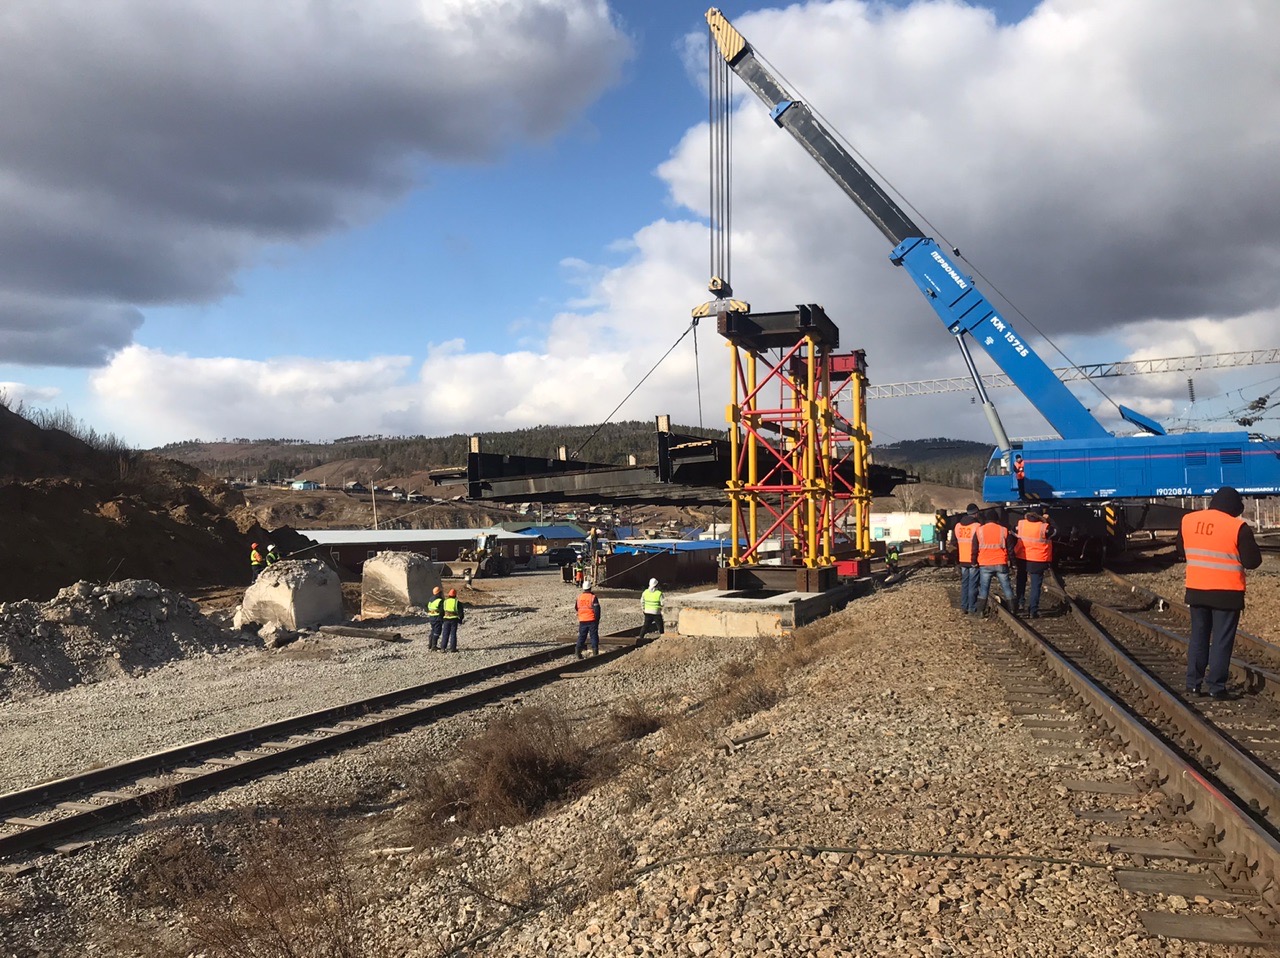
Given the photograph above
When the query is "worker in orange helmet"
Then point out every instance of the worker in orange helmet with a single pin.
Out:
(435, 613)
(452, 613)
(257, 561)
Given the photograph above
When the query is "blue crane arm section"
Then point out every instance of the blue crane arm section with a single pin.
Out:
(951, 293)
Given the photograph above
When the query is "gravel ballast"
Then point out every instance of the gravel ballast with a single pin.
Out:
(891, 803)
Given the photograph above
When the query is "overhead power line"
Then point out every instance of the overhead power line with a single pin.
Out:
(1137, 367)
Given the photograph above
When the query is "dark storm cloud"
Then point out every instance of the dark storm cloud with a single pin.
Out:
(148, 150)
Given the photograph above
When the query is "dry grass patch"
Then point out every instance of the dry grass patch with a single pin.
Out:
(254, 889)
(508, 774)
(633, 719)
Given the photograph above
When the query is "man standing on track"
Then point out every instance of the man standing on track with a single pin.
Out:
(1218, 546)
(994, 547)
(452, 613)
(651, 605)
(435, 613)
(588, 609)
(966, 553)
(1033, 552)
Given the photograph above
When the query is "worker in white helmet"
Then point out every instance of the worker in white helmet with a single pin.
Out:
(651, 605)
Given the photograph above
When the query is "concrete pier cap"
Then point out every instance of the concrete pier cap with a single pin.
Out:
(723, 614)
(293, 594)
(395, 582)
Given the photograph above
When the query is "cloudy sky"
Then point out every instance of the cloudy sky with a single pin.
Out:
(319, 219)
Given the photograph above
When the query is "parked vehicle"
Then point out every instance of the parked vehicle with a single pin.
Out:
(561, 555)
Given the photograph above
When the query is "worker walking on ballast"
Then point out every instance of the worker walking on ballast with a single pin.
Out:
(588, 610)
(651, 605)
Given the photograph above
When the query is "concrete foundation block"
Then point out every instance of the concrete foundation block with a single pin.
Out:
(395, 582)
(723, 614)
(294, 594)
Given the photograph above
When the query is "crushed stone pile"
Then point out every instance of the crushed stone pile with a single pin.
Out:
(89, 632)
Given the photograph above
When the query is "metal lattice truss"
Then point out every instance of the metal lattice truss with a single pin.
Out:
(1137, 367)
(800, 467)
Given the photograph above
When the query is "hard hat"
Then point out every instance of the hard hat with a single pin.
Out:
(436, 591)
(271, 545)
(453, 593)
(653, 583)
(586, 585)
(255, 545)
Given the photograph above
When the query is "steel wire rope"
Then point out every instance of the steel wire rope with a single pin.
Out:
(596, 432)
(955, 250)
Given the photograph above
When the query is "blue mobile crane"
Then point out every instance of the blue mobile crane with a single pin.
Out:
(1088, 470)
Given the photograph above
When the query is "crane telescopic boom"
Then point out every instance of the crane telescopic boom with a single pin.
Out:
(963, 309)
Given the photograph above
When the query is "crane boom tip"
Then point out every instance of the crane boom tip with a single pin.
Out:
(728, 39)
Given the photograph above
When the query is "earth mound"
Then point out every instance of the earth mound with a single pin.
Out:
(87, 633)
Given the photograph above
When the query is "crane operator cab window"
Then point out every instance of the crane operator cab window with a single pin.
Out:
(998, 465)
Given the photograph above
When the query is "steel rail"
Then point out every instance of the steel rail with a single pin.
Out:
(252, 752)
(1266, 651)
(1234, 793)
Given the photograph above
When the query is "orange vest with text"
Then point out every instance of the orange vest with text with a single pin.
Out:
(1033, 541)
(586, 607)
(965, 531)
(993, 544)
(1211, 541)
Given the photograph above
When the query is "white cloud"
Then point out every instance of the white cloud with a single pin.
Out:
(149, 150)
(1109, 167)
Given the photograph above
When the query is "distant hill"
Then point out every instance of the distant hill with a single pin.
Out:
(266, 459)
(949, 462)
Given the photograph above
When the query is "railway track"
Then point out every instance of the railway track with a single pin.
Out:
(44, 817)
(1116, 652)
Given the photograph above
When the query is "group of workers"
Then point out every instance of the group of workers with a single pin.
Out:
(587, 608)
(986, 547)
(445, 613)
(1215, 542)
(259, 560)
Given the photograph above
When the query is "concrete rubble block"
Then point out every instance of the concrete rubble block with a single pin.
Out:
(396, 582)
(294, 594)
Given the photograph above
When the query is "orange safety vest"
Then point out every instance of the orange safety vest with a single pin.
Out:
(993, 544)
(1211, 541)
(965, 531)
(586, 607)
(1033, 541)
(1020, 469)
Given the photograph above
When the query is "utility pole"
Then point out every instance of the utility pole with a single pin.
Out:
(373, 494)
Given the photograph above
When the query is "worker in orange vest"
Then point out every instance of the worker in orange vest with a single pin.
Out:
(588, 609)
(966, 548)
(1020, 473)
(1033, 554)
(994, 548)
(1218, 546)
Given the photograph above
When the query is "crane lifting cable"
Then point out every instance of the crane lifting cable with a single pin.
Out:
(607, 419)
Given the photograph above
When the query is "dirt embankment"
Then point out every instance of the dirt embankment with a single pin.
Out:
(71, 513)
